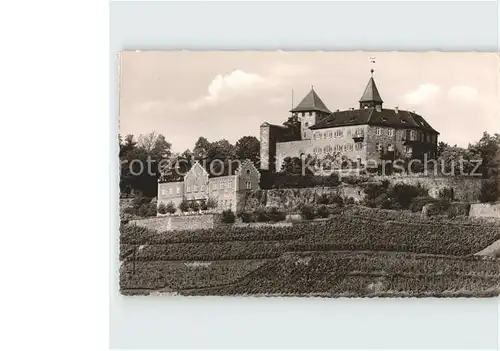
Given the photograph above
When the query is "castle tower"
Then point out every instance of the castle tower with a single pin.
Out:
(310, 111)
(371, 97)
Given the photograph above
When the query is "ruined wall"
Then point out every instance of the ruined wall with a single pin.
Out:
(466, 189)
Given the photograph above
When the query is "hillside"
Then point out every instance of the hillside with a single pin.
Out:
(346, 255)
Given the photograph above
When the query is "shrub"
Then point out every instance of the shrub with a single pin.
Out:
(228, 216)
(170, 207)
(337, 200)
(307, 211)
(211, 203)
(203, 205)
(489, 190)
(184, 205)
(194, 206)
(246, 217)
(354, 180)
(162, 208)
(146, 210)
(349, 201)
(323, 199)
(322, 212)
(275, 215)
(403, 194)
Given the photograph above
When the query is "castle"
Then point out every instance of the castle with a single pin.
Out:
(369, 133)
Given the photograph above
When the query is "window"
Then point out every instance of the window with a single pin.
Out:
(408, 150)
(188, 189)
(378, 146)
(349, 147)
(328, 149)
(390, 147)
(338, 148)
(178, 189)
(302, 114)
(214, 186)
(358, 146)
(317, 150)
(305, 135)
(248, 185)
(310, 113)
(162, 192)
(306, 124)
(359, 132)
(390, 132)
(413, 135)
(339, 133)
(170, 191)
(221, 185)
(317, 135)
(378, 131)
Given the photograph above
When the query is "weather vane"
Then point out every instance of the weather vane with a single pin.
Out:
(372, 62)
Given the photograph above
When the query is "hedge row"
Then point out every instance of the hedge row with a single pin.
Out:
(182, 275)
(358, 274)
(358, 233)
(132, 234)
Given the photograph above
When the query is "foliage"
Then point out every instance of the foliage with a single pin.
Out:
(248, 147)
(162, 208)
(194, 206)
(263, 214)
(228, 216)
(203, 205)
(211, 203)
(418, 202)
(171, 207)
(447, 193)
(184, 206)
(490, 190)
(307, 211)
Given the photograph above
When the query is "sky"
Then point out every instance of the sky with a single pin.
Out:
(229, 94)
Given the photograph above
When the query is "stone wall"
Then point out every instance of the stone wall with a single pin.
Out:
(466, 189)
(180, 222)
(485, 210)
(288, 199)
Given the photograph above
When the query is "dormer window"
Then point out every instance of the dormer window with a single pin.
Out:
(378, 131)
(303, 114)
(306, 124)
(310, 113)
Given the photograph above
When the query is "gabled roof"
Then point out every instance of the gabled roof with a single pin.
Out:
(371, 93)
(311, 102)
(384, 117)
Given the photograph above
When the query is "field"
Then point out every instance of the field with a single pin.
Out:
(350, 254)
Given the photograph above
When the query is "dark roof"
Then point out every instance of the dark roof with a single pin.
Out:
(311, 102)
(386, 117)
(371, 93)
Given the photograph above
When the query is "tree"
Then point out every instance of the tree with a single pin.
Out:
(201, 148)
(221, 150)
(248, 147)
(489, 151)
(441, 147)
(184, 206)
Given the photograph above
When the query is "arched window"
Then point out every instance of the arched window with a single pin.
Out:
(328, 149)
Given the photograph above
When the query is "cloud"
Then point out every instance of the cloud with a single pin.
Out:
(463, 93)
(423, 94)
(225, 87)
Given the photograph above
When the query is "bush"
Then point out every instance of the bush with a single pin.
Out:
(203, 205)
(146, 210)
(349, 201)
(246, 217)
(211, 203)
(323, 199)
(194, 206)
(403, 194)
(170, 207)
(322, 212)
(184, 205)
(307, 211)
(354, 180)
(489, 190)
(162, 208)
(228, 216)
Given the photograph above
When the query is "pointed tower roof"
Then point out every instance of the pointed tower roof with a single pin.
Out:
(311, 102)
(371, 93)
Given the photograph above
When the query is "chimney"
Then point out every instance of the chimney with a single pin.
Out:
(337, 110)
(396, 109)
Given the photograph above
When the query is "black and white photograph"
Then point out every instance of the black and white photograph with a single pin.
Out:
(309, 174)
